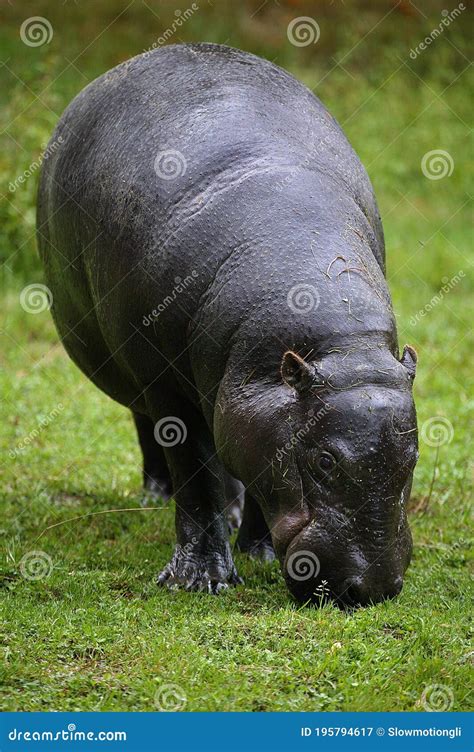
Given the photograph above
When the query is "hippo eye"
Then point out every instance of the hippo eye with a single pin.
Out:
(326, 462)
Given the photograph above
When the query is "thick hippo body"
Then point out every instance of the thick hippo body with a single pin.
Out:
(216, 261)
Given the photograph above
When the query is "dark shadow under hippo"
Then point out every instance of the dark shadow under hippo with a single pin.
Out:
(216, 261)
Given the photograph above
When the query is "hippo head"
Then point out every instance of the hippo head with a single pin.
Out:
(333, 447)
(346, 534)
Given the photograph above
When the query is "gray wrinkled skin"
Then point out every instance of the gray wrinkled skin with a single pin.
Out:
(279, 351)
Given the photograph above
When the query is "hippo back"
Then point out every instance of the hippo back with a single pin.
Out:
(203, 160)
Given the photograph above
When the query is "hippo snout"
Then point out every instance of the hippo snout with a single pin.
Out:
(360, 591)
(318, 573)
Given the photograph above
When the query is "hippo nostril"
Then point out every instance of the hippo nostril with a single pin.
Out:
(353, 594)
(356, 592)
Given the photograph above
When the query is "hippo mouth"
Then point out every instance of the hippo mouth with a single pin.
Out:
(316, 574)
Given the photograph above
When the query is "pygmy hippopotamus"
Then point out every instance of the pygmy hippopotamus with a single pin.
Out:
(216, 261)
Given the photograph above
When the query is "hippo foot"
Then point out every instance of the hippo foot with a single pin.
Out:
(262, 549)
(210, 573)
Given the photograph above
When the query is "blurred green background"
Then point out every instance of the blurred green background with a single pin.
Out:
(95, 633)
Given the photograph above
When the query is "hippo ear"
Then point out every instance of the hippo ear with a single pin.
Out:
(409, 360)
(297, 373)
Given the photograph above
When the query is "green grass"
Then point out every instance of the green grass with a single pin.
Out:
(96, 634)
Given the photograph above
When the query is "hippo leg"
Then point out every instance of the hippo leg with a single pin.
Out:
(202, 559)
(156, 476)
(234, 501)
(254, 536)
